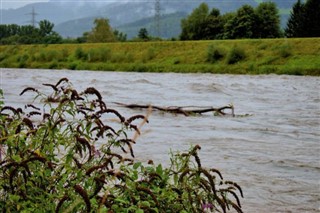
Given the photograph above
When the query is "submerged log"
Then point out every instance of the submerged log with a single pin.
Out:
(185, 110)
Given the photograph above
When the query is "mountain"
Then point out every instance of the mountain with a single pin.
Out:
(72, 18)
(169, 26)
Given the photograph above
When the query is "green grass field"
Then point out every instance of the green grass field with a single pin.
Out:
(254, 56)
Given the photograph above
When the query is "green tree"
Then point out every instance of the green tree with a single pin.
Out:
(194, 26)
(214, 25)
(295, 24)
(28, 34)
(48, 35)
(143, 34)
(228, 22)
(312, 18)
(242, 25)
(102, 32)
(120, 36)
(268, 21)
(46, 27)
(9, 30)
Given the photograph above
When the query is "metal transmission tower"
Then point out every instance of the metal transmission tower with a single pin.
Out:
(157, 17)
(33, 17)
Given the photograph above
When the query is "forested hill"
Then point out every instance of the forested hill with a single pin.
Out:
(79, 16)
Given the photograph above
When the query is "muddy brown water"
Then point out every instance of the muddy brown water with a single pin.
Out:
(274, 154)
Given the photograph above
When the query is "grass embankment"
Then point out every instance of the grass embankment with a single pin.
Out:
(258, 56)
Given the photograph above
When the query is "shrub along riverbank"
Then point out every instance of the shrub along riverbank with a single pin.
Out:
(255, 56)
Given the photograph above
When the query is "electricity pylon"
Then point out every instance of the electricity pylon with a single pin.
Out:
(157, 17)
(33, 17)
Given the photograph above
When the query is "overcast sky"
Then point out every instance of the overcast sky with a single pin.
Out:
(11, 4)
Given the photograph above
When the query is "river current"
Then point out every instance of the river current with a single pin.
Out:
(273, 154)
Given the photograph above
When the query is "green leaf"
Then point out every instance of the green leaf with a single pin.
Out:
(139, 211)
(14, 198)
(135, 175)
(145, 204)
(136, 165)
(16, 158)
(119, 200)
(159, 169)
(155, 210)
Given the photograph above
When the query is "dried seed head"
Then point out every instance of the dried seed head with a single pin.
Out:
(28, 122)
(33, 113)
(15, 111)
(32, 106)
(218, 172)
(52, 86)
(84, 196)
(129, 120)
(28, 89)
(93, 91)
(62, 80)
(63, 199)
(236, 185)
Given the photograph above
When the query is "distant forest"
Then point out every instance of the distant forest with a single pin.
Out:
(202, 23)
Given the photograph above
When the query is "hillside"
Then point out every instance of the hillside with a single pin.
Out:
(169, 26)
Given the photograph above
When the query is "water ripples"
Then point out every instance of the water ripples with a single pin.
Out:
(274, 154)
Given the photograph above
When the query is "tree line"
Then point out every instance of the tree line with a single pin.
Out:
(304, 20)
(44, 34)
(262, 21)
(28, 34)
(248, 22)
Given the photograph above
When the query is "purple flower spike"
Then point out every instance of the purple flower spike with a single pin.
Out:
(207, 206)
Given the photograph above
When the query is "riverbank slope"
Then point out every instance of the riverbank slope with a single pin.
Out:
(255, 56)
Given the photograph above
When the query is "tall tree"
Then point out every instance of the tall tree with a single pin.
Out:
(228, 22)
(143, 34)
(243, 23)
(120, 36)
(312, 18)
(295, 25)
(268, 21)
(214, 25)
(46, 27)
(102, 32)
(193, 27)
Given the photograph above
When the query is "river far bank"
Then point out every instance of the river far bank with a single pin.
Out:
(299, 56)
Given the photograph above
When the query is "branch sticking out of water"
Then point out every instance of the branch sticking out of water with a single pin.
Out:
(193, 110)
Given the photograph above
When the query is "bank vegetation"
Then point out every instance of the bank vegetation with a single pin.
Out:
(294, 56)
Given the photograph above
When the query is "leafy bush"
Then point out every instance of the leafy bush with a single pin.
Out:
(54, 64)
(80, 54)
(285, 51)
(72, 66)
(64, 157)
(235, 55)
(149, 55)
(100, 54)
(214, 54)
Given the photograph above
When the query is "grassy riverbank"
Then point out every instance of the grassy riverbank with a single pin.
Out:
(258, 56)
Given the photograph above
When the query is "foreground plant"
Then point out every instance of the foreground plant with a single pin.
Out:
(66, 157)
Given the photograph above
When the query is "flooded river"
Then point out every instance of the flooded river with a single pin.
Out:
(274, 153)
